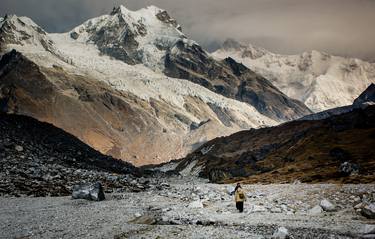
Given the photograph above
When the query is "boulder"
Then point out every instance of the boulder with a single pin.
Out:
(281, 233)
(347, 168)
(368, 229)
(368, 236)
(369, 211)
(93, 192)
(315, 210)
(327, 205)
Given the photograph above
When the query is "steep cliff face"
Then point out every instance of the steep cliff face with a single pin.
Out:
(232, 80)
(319, 80)
(128, 111)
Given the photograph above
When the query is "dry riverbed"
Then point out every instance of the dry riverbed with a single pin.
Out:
(189, 209)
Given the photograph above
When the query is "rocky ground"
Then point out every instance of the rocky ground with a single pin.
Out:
(39, 159)
(192, 208)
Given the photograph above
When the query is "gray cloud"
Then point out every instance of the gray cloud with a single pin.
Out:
(342, 27)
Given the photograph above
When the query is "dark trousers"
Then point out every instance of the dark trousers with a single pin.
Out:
(239, 206)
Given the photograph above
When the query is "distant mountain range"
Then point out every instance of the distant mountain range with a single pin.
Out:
(319, 80)
(132, 85)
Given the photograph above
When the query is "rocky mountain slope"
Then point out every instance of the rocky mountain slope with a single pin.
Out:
(336, 149)
(89, 83)
(151, 37)
(319, 80)
(39, 159)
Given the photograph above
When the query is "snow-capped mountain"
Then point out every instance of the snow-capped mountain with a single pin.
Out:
(134, 37)
(320, 80)
(94, 88)
(151, 37)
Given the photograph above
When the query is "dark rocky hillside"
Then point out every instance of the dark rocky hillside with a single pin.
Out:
(337, 149)
(39, 159)
(233, 80)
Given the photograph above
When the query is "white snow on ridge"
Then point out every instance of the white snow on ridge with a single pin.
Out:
(319, 80)
(154, 32)
(145, 83)
(84, 58)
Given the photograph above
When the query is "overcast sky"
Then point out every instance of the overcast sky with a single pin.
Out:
(341, 27)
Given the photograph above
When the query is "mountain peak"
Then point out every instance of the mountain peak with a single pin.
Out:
(230, 43)
(154, 8)
(367, 96)
(21, 31)
(247, 50)
(134, 37)
(119, 10)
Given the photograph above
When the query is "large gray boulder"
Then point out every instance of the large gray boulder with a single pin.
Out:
(93, 192)
(369, 211)
(368, 229)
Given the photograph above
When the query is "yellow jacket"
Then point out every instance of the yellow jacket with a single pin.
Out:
(237, 197)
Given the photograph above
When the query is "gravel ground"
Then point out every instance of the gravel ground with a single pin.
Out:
(211, 215)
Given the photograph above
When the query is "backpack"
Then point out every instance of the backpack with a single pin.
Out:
(241, 195)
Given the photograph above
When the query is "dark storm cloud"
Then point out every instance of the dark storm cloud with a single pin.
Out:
(344, 27)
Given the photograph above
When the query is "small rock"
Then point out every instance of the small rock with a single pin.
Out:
(315, 210)
(196, 204)
(276, 210)
(145, 219)
(327, 205)
(281, 233)
(19, 148)
(284, 207)
(257, 208)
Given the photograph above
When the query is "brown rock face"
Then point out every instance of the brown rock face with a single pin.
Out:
(88, 109)
(114, 122)
(309, 151)
(232, 80)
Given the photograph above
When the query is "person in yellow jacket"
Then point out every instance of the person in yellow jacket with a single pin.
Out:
(239, 197)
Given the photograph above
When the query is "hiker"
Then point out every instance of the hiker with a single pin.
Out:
(239, 197)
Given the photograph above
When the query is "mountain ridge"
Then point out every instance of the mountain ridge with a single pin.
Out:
(292, 150)
(128, 111)
(320, 80)
(151, 37)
